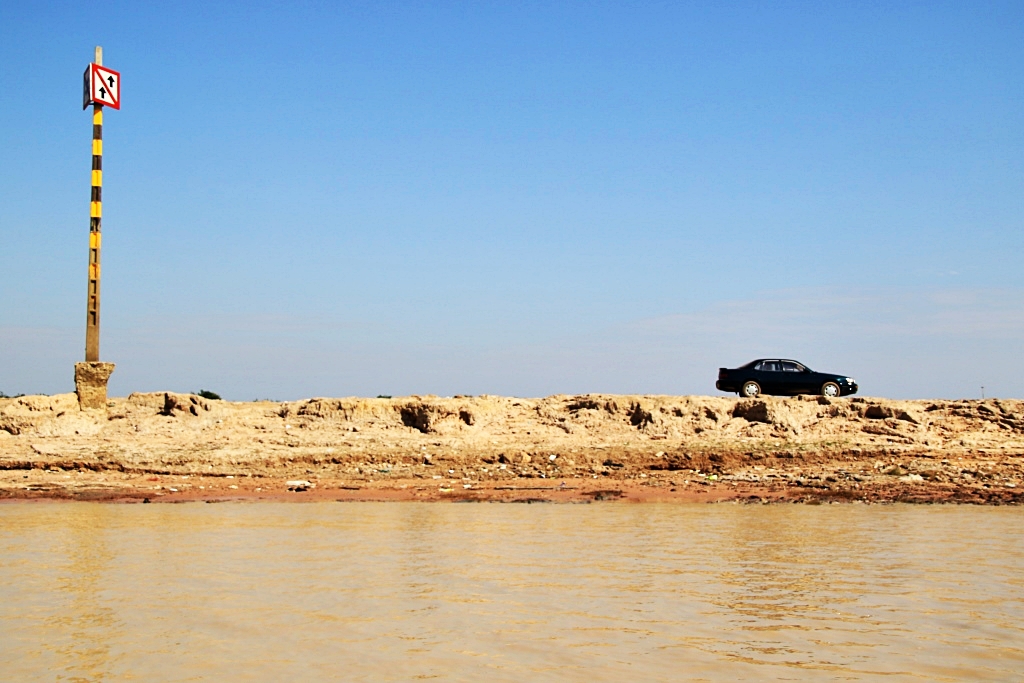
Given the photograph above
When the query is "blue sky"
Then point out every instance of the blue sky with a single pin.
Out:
(518, 198)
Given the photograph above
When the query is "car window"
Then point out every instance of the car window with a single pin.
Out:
(791, 367)
(769, 366)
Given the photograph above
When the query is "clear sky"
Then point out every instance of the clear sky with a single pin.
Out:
(334, 199)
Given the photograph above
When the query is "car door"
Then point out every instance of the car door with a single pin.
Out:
(810, 381)
(796, 378)
(769, 376)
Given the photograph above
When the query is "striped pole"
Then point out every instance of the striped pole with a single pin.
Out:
(91, 376)
(92, 322)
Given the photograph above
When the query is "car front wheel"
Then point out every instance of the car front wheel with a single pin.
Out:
(750, 389)
(830, 389)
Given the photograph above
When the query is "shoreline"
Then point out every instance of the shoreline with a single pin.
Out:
(39, 485)
(168, 448)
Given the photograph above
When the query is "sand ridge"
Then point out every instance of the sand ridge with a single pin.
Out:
(566, 447)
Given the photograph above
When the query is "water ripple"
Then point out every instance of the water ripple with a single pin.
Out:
(389, 592)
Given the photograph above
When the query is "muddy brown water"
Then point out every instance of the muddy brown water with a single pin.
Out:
(604, 592)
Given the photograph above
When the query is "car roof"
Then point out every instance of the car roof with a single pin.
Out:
(786, 360)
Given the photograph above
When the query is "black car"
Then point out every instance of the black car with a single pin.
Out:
(784, 377)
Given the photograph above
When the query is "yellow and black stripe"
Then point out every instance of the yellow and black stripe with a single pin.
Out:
(92, 324)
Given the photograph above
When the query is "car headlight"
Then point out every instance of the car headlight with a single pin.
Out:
(850, 380)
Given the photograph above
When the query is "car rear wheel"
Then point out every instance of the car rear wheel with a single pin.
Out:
(830, 389)
(750, 389)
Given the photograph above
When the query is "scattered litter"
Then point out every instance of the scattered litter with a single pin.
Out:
(232, 487)
(467, 486)
(552, 457)
(299, 485)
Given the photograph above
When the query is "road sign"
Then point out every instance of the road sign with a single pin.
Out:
(101, 86)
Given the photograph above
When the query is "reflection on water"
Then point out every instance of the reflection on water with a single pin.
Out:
(387, 591)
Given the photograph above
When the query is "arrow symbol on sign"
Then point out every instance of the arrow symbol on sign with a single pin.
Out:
(110, 79)
(103, 92)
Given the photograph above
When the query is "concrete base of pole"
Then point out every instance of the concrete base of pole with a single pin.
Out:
(91, 384)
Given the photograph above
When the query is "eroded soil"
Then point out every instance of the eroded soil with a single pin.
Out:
(163, 447)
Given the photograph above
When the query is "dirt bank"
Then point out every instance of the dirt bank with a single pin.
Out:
(166, 447)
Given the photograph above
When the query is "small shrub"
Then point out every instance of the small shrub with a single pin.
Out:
(204, 393)
(382, 396)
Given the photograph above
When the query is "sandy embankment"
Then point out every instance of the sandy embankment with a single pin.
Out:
(173, 447)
